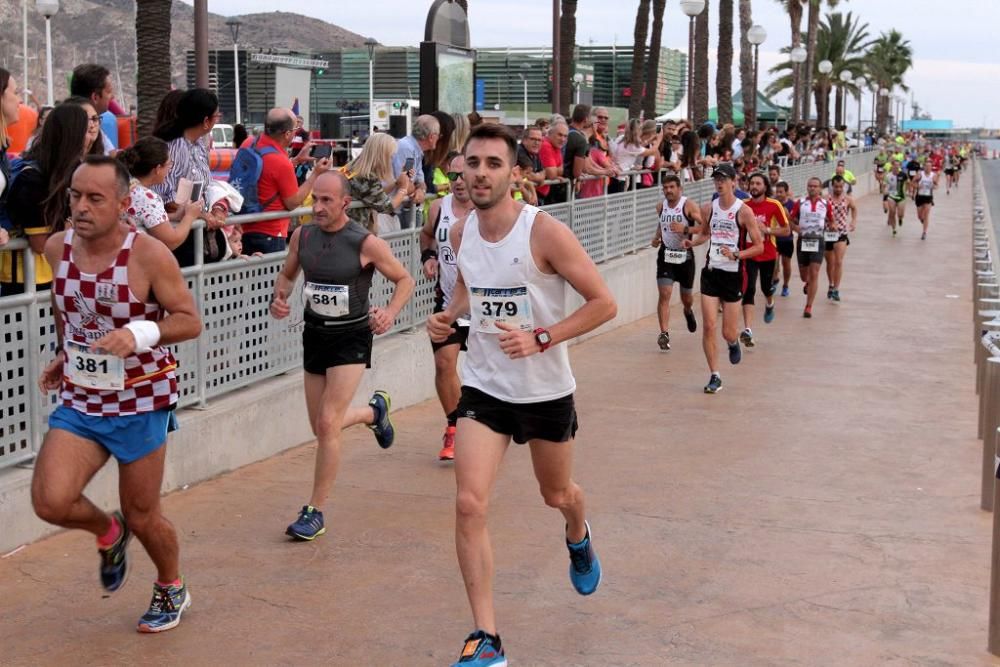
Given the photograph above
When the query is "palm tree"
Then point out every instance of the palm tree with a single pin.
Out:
(653, 64)
(638, 57)
(152, 41)
(794, 9)
(746, 63)
(700, 102)
(811, 60)
(724, 66)
(841, 39)
(567, 51)
(889, 58)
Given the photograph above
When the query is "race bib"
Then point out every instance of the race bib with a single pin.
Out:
(829, 237)
(924, 192)
(93, 370)
(327, 300)
(810, 245)
(675, 256)
(491, 305)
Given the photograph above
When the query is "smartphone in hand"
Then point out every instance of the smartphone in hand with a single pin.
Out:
(321, 151)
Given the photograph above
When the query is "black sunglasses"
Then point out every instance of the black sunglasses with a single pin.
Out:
(454, 175)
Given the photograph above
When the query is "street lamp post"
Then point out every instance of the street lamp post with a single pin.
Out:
(798, 56)
(824, 67)
(371, 43)
(48, 9)
(577, 84)
(845, 78)
(691, 9)
(524, 80)
(234, 30)
(756, 36)
(860, 82)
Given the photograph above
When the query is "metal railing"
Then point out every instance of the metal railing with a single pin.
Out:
(241, 343)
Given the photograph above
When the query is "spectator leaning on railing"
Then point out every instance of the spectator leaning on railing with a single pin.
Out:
(410, 151)
(9, 112)
(551, 157)
(37, 201)
(371, 182)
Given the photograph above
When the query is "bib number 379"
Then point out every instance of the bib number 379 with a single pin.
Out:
(509, 305)
(93, 370)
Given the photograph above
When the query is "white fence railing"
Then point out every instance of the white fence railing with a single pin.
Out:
(241, 344)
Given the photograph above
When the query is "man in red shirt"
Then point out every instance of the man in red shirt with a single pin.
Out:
(552, 162)
(773, 222)
(278, 189)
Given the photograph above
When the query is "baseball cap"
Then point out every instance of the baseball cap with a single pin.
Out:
(724, 170)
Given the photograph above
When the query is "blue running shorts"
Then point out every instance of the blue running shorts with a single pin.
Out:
(127, 438)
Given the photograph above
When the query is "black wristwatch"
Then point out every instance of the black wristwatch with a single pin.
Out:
(543, 338)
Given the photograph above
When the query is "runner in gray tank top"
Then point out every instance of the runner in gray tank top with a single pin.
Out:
(339, 258)
(514, 266)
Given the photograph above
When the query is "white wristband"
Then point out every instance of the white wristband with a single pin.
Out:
(147, 335)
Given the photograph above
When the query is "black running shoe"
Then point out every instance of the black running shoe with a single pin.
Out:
(691, 322)
(663, 340)
(714, 385)
(114, 559)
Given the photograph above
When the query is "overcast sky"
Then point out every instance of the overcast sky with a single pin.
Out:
(955, 76)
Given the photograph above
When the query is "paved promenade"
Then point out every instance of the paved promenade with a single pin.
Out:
(821, 510)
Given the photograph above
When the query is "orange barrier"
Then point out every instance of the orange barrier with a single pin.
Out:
(221, 159)
(22, 129)
(126, 131)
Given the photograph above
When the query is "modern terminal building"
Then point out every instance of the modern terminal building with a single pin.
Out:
(332, 91)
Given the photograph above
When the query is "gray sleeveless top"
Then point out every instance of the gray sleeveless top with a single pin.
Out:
(334, 259)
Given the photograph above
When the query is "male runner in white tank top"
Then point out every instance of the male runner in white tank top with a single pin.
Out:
(440, 260)
(514, 265)
(118, 298)
(679, 218)
(726, 222)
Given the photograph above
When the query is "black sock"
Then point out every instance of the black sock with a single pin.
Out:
(452, 417)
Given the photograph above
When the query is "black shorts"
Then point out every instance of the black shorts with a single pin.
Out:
(925, 199)
(766, 272)
(949, 171)
(461, 335)
(668, 274)
(786, 246)
(807, 258)
(553, 420)
(725, 285)
(843, 239)
(324, 347)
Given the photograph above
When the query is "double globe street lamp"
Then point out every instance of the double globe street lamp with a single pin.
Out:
(756, 36)
(798, 56)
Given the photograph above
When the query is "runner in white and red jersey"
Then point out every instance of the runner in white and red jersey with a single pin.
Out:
(118, 298)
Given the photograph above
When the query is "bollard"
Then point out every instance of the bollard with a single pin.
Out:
(989, 439)
(987, 398)
(982, 353)
(986, 290)
(981, 317)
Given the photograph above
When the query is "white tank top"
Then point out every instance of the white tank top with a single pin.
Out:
(668, 216)
(725, 229)
(925, 187)
(505, 285)
(812, 216)
(447, 262)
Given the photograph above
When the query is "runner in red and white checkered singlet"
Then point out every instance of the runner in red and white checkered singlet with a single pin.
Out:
(94, 305)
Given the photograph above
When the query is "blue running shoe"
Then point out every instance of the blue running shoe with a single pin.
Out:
(768, 314)
(784, 291)
(385, 434)
(482, 650)
(735, 353)
(114, 559)
(584, 565)
(166, 608)
(714, 385)
(308, 526)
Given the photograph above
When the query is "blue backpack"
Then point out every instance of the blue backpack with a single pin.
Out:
(17, 165)
(244, 175)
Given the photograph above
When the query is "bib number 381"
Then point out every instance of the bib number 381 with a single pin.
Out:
(327, 300)
(509, 305)
(93, 370)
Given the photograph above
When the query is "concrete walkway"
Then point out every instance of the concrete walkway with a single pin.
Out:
(821, 510)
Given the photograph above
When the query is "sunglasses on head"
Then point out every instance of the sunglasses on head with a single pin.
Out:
(454, 175)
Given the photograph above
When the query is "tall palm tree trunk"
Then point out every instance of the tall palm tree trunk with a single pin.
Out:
(746, 64)
(810, 64)
(795, 19)
(838, 116)
(567, 51)
(152, 47)
(653, 63)
(700, 107)
(638, 57)
(724, 66)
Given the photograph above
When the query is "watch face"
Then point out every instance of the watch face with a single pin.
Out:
(544, 338)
